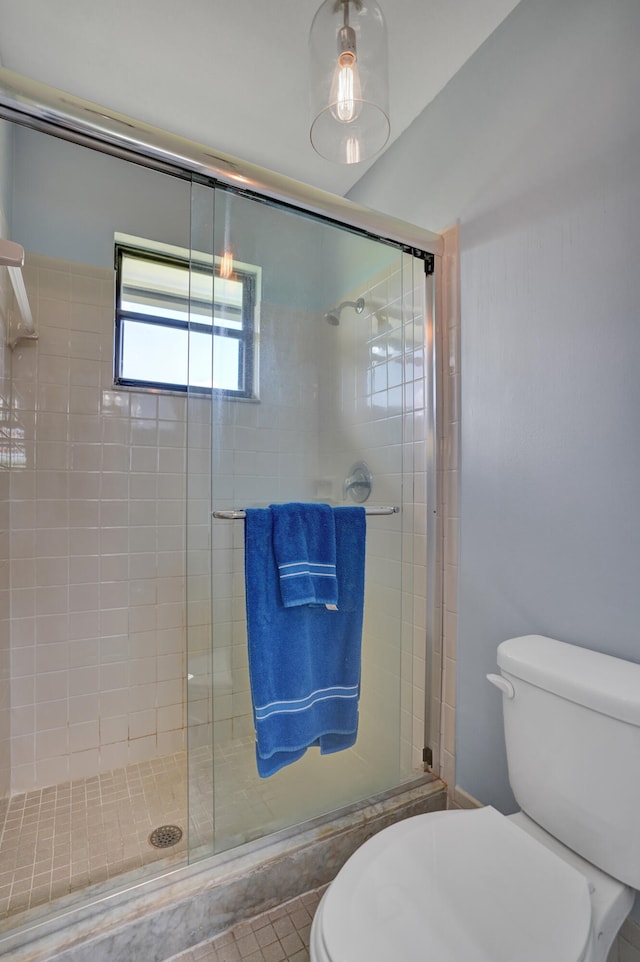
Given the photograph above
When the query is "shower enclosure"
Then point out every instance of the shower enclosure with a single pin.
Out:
(244, 351)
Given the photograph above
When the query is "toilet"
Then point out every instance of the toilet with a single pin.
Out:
(552, 883)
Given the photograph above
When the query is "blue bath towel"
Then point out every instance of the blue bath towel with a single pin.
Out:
(304, 661)
(304, 545)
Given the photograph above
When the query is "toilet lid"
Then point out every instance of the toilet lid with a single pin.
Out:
(455, 887)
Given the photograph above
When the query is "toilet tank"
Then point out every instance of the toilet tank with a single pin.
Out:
(572, 729)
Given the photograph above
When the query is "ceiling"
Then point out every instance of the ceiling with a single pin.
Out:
(233, 75)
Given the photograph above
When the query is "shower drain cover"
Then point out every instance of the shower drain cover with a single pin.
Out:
(165, 836)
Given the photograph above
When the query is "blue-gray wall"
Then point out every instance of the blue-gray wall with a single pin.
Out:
(534, 147)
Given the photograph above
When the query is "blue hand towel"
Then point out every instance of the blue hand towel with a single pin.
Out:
(304, 661)
(304, 545)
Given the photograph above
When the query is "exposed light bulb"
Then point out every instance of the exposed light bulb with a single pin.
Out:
(345, 96)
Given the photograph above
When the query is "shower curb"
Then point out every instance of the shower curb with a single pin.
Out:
(162, 917)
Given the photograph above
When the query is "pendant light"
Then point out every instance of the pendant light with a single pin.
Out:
(349, 95)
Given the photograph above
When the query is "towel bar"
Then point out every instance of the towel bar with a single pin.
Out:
(238, 514)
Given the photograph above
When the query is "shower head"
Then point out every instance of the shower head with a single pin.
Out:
(333, 317)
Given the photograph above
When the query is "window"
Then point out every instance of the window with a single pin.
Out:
(182, 326)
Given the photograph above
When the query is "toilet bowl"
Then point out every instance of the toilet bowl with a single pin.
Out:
(467, 886)
(552, 883)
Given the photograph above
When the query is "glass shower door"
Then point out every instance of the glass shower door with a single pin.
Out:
(318, 338)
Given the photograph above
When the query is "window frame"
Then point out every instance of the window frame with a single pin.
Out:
(245, 335)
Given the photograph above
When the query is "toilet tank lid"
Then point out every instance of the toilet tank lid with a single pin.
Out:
(600, 682)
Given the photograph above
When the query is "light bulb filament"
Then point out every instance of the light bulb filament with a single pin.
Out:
(348, 82)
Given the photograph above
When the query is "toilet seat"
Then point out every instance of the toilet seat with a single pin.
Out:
(464, 886)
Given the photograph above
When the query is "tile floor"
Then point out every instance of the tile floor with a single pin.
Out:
(281, 935)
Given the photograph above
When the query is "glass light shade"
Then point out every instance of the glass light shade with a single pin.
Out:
(349, 88)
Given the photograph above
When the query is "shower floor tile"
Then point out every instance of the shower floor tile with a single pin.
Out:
(61, 839)
(281, 935)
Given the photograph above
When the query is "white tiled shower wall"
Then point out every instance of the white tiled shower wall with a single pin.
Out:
(98, 527)
(97, 544)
